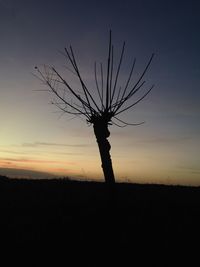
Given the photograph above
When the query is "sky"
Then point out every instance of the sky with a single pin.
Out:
(36, 140)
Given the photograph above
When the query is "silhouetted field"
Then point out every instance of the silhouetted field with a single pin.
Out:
(91, 216)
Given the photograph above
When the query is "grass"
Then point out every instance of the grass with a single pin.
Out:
(148, 218)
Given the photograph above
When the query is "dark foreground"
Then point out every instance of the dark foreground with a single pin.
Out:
(152, 220)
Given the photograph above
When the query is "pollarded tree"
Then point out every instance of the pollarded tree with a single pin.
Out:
(102, 112)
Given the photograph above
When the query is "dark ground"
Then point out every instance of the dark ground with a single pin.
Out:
(65, 216)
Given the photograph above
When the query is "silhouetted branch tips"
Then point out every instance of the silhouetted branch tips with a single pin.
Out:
(129, 78)
(126, 123)
(102, 81)
(97, 85)
(112, 98)
(117, 74)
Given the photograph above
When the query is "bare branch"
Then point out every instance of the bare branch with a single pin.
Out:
(74, 65)
(140, 99)
(87, 93)
(112, 103)
(135, 88)
(142, 75)
(126, 123)
(72, 91)
(47, 80)
(117, 74)
(129, 78)
(97, 85)
(118, 125)
(111, 74)
(102, 81)
(67, 111)
(69, 70)
(108, 73)
(119, 104)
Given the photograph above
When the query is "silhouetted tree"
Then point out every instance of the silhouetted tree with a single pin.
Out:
(112, 100)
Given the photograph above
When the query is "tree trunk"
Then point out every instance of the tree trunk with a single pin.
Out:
(102, 133)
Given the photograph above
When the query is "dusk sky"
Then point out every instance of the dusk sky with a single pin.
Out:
(35, 138)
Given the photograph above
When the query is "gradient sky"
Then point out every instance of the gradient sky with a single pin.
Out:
(33, 135)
